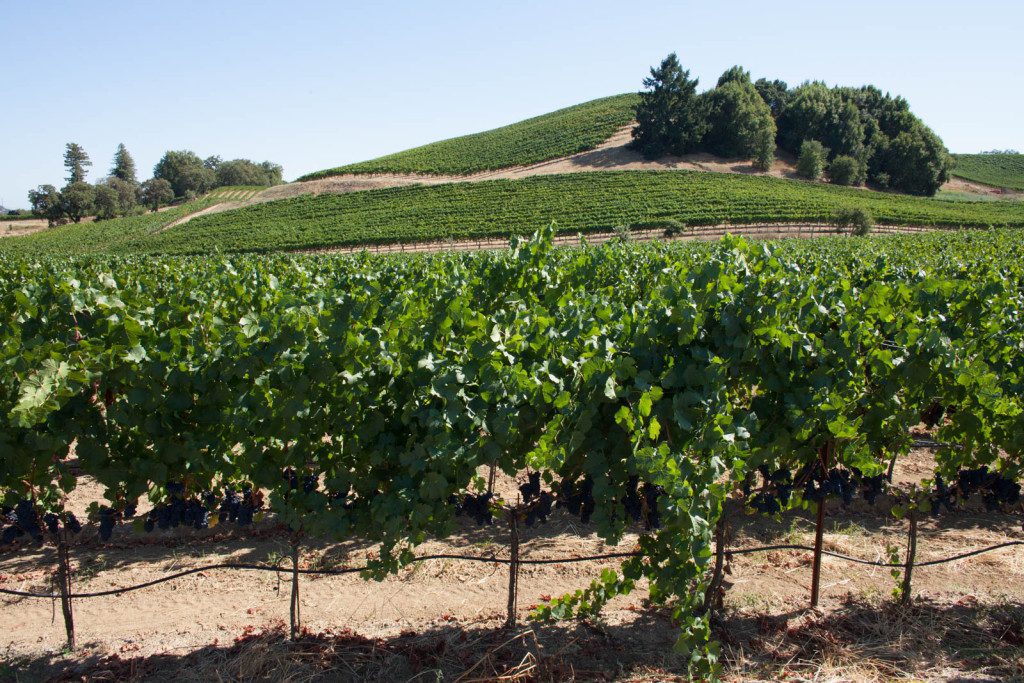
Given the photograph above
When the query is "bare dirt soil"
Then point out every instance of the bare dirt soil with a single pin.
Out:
(967, 620)
(966, 186)
(22, 227)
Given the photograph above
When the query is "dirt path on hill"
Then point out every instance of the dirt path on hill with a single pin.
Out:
(765, 590)
(961, 185)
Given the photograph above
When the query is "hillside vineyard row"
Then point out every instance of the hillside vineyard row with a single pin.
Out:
(362, 395)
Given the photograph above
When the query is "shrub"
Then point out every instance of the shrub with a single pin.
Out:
(846, 170)
(811, 164)
(858, 221)
(764, 153)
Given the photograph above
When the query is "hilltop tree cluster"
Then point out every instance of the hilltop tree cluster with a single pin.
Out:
(178, 175)
(851, 135)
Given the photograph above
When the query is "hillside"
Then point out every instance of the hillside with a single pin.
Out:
(557, 134)
(997, 170)
(108, 236)
(576, 202)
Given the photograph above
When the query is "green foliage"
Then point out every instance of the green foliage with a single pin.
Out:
(558, 134)
(813, 156)
(156, 191)
(245, 172)
(859, 221)
(186, 173)
(111, 236)
(735, 74)
(75, 162)
(741, 122)
(916, 162)
(106, 204)
(123, 167)
(898, 150)
(580, 202)
(46, 203)
(687, 366)
(78, 200)
(774, 93)
(997, 170)
(127, 192)
(847, 170)
(671, 117)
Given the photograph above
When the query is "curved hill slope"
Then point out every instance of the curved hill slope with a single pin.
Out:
(997, 170)
(576, 202)
(557, 134)
(109, 236)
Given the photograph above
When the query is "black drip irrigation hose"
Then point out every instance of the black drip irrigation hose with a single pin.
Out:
(491, 560)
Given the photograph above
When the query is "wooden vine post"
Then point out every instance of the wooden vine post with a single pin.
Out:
(819, 532)
(64, 584)
(294, 613)
(513, 567)
(908, 569)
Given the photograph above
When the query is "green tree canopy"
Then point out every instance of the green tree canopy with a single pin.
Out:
(156, 191)
(75, 161)
(736, 73)
(186, 173)
(670, 117)
(813, 157)
(741, 122)
(106, 202)
(847, 170)
(123, 167)
(127, 194)
(46, 203)
(246, 172)
(774, 93)
(79, 200)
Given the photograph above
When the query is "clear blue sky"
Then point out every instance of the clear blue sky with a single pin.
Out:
(316, 84)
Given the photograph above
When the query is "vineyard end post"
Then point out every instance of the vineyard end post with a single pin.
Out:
(819, 533)
(908, 570)
(294, 614)
(513, 567)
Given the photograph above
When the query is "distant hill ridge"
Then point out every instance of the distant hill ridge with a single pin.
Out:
(558, 134)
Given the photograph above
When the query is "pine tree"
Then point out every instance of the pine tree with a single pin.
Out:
(75, 161)
(670, 117)
(124, 166)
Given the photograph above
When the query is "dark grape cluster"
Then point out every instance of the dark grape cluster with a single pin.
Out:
(996, 490)
(310, 482)
(538, 503)
(933, 414)
(476, 506)
(540, 509)
(835, 483)
(23, 520)
(872, 487)
(240, 506)
(641, 502)
(108, 518)
(577, 497)
(531, 489)
(178, 511)
(652, 518)
(776, 491)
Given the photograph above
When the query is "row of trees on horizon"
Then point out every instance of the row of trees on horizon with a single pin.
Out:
(179, 175)
(855, 136)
